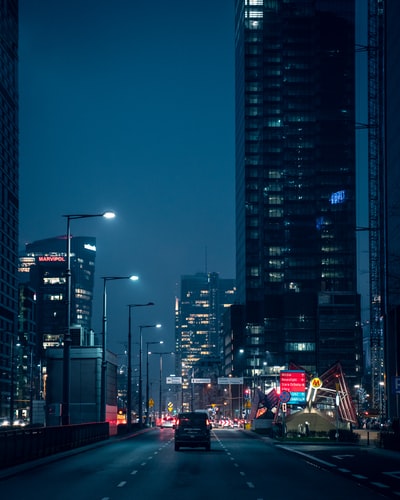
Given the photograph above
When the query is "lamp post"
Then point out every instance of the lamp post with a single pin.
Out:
(147, 379)
(129, 389)
(103, 383)
(141, 327)
(160, 396)
(13, 345)
(65, 420)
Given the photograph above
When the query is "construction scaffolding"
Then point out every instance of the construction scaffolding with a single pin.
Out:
(376, 132)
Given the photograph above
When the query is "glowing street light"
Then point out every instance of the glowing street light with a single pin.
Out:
(147, 378)
(129, 389)
(103, 397)
(141, 327)
(65, 420)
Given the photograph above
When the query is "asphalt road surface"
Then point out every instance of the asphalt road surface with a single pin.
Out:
(240, 466)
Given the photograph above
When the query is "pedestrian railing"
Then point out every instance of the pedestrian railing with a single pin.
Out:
(24, 444)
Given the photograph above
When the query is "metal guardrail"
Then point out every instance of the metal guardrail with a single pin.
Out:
(18, 446)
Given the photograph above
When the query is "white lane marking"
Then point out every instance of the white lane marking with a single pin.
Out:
(310, 457)
(343, 470)
(395, 474)
(121, 484)
(236, 465)
(341, 457)
(359, 476)
(143, 464)
(379, 485)
(250, 485)
(242, 473)
(133, 472)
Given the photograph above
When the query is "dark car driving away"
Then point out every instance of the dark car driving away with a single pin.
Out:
(192, 429)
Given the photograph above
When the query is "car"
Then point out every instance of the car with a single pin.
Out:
(19, 422)
(4, 422)
(167, 422)
(192, 429)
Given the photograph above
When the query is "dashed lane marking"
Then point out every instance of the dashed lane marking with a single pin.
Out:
(379, 485)
(395, 474)
(359, 476)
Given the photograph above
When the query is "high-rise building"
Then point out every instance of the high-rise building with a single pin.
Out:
(382, 16)
(44, 266)
(9, 181)
(295, 184)
(198, 324)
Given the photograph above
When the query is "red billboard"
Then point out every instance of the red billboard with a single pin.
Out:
(293, 380)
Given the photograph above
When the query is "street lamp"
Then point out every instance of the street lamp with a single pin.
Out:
(147, 379)
(160, 397)
(129, 389)
(67, 336)
(141, 327)
(103, 383)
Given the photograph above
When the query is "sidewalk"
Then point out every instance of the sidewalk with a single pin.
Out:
(368, 437)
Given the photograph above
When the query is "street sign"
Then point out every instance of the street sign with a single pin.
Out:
(297, 398)
(201, 381)
(174, 380)
(316, 383)
(230, 380)
(293, 380)
(284, 397)
(395, 385)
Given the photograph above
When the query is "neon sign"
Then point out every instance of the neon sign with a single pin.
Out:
(51, 258)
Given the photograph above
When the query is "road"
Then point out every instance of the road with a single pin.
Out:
(239, 466)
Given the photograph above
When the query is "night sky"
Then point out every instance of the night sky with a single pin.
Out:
(128, 105)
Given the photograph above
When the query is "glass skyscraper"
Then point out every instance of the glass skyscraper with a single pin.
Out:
(198, 323)
(295, 183)
(44, 266)
(9, 182)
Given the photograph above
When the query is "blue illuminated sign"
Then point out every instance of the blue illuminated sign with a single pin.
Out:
(338, 197)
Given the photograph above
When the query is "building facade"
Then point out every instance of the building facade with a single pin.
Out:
(9, 182)
(295, 184)
(389, 100)
(44, 266)
(204, 297)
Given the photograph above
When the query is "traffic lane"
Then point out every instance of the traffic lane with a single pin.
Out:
(377, 469)
(238, 466)
(82, 474)
(191, 473)
(271, 472)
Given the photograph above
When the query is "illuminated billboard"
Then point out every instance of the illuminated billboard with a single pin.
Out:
(294, 381)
